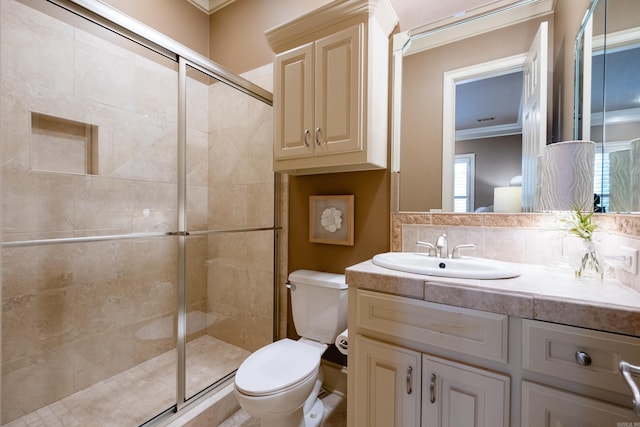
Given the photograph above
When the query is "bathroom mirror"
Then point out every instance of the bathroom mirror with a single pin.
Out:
(608, 99)
(501, 31)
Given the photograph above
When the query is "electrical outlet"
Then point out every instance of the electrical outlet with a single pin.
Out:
(630, 262)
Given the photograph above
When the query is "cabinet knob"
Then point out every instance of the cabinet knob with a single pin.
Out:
(583, 358)
(318, 135)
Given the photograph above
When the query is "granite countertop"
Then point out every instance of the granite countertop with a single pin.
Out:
(540, 293)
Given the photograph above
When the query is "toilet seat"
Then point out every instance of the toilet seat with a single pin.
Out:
(276, 367)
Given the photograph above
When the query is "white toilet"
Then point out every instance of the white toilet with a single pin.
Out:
(279, 383)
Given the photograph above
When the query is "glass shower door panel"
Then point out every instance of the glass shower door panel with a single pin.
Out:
(230, 219)
(230, 313)
(88, 332)
(89, 194)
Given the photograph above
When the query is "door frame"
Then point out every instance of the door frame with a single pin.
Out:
(506, 65)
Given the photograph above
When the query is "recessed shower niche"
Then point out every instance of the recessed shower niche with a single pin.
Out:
(62, 145)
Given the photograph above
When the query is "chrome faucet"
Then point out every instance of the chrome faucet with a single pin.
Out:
(441, 247)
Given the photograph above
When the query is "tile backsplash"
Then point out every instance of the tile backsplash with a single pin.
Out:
(525, 238)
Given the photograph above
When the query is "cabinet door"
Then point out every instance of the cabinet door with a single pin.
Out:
(293, 103)
(547, 407)
(457, 395)
(387, 385)
(338, 92)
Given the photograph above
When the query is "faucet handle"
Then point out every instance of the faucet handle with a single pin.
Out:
(456, 251)
(432, 249)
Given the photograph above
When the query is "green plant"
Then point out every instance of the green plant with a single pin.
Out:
(581, 224)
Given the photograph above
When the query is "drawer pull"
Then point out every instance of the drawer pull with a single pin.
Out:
(432, 389)
(409, 380)
(583, 358)
(627, 369)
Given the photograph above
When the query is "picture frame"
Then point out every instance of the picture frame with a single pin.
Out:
(331, 219)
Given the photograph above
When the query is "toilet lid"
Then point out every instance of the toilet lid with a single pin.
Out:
(276, 367)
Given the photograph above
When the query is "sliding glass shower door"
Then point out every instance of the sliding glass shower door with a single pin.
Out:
(229, 229)
(89, 192)
(138, 224)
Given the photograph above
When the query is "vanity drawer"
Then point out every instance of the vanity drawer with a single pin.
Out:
(479, 333)
(551, 349)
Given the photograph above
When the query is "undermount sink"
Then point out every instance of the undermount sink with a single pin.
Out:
(463, 268)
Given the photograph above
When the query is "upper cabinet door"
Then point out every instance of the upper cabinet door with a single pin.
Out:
(293, 103)
(338, 91)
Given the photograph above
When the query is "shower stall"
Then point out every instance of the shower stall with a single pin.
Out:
(139, 213)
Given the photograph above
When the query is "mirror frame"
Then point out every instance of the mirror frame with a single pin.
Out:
(582, 74)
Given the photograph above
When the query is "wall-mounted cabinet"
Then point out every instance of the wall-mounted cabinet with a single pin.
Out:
(331, 80)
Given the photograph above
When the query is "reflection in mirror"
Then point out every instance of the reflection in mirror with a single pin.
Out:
(608, 88)
(488, 138)
(431, 64)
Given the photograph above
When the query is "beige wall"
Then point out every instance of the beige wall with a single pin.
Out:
(568, 18)
(371, 190)
(237, 38)
(178, 19)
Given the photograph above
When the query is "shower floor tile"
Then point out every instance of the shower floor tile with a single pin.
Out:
(137, 394)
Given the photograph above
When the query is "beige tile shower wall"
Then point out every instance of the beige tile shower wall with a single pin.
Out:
(75, 314)
(241, 194)
(524, 238)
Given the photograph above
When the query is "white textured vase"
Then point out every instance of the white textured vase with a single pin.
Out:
(620, 194)
(567, 176)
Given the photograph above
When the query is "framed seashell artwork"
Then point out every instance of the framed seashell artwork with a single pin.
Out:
(331, 219)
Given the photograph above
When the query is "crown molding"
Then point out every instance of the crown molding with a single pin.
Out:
(326, 16)
(210, 6)
(481, 20)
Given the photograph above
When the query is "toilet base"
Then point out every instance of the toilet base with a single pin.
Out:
(310, 414)
(314, 417)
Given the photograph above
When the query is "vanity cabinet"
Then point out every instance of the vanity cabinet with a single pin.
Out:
(417, 363)
(544, 406)
(398, 383)
(587, 357)
(331, 79)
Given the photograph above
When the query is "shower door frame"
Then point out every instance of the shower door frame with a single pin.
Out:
(114, 20)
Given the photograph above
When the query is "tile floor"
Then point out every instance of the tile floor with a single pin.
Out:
(134, 396)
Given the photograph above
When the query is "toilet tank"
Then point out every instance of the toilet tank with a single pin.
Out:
(319, 304)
